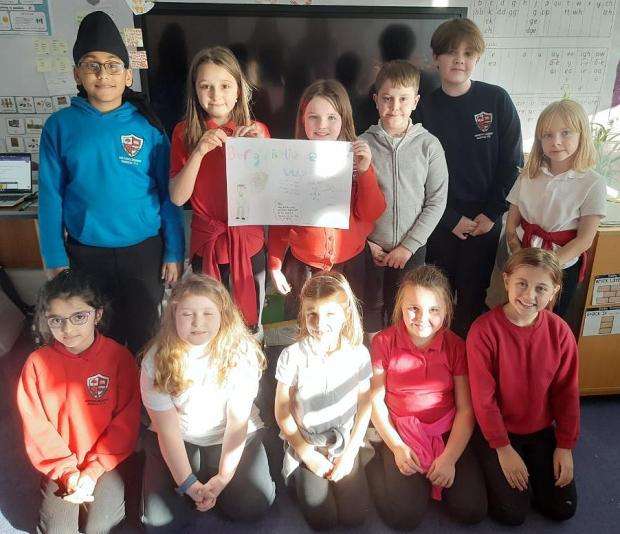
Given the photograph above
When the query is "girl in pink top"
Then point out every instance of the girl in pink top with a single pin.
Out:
(422, 409)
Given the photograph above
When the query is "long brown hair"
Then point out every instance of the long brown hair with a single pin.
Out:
(335, 93)
(231, 343)
(196, 117)
(431, 278)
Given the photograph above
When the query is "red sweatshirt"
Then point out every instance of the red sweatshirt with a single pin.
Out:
(79, 412)
(324, 247)
(523, 378)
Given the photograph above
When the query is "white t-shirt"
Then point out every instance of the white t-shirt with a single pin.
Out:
(556, 203)
(325, 387)
(202, 406)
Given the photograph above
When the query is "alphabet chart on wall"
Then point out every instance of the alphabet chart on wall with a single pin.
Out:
(542, 50)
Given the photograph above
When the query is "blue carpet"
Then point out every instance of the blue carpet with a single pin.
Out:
(597, 464)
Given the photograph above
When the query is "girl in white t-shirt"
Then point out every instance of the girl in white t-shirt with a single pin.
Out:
(323, 405)
(198, 380)
(558, 200)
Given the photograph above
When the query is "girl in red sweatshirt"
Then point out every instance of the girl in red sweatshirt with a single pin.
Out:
(295, 252)
(522, 362)
(79, 401)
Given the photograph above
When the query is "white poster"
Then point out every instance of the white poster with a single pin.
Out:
(606, 290)
(282, 182)
(601, 322)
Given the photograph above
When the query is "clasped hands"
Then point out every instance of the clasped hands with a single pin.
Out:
(205, 495)
(467, 227)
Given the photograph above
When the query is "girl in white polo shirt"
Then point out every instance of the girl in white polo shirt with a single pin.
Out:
(199, 379)
(558, 200)
(323, 405)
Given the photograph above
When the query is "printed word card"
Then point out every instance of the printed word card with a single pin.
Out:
(606, 290)
(601, 322)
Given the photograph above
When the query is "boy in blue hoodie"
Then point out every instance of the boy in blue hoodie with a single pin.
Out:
(104, 205)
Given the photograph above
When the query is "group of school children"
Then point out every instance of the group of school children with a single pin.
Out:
(486, 425)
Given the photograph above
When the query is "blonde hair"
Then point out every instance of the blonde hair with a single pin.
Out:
(231, 343)
(431, 278)
(450, 34)
(332, 285)
(196, 117)
(537, 257)
(574, 117)
(335, 93)
(400, 72)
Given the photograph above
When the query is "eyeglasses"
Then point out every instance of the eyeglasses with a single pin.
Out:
(76, 319)
(94, 67)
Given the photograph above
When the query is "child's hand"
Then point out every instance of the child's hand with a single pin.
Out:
(397, 257)
(317, 463)
(80, 489)
(248, 131)
(483, 225)
(514, 244)
(406, 460)
(342, 466)
(441, 472)
(51, 273)
(211, 139)
(464, 228)
(204, 501)
(562, 466)
(378, 254)
(514, 467)
(171, 272)
(214, 486)
(279, 281)
(361, 155)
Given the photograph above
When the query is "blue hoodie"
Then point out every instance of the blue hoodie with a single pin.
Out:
(103, 177)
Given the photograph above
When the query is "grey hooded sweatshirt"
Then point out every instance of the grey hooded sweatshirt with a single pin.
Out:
(413, 176)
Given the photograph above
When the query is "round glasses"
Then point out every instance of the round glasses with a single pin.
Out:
(76, 319)
(94, 67)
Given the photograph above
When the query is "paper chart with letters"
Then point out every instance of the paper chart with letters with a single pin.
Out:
(288, 182)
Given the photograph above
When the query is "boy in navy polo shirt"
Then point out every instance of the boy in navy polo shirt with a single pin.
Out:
(480, 131)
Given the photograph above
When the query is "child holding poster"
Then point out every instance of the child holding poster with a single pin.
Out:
(296, 252)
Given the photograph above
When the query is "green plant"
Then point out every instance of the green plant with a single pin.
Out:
(607, 143)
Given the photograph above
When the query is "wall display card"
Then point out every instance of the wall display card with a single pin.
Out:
(14, 143)
(140, 7)
(60, 83)
(278, 181)
(25, 104)
(43, 104)
(24, 17)
(61, 101)
(31, 143)
(44, 64)
(601, 322)
(133, 37)
(34, 125)
(59, 47)
(15, 125)
(7, 104)
(138, 60)
(606, 290)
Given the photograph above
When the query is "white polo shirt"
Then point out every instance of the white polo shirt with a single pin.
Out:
(202, 406)
(556, 203)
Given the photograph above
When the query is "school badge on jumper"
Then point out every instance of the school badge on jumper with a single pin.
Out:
(483, 120)
(97, 385)
(132, 144)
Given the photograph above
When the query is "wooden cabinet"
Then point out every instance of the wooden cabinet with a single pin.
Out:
(19, 240)
(599, 355)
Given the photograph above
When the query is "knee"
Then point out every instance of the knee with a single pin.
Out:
(561, 511)
(468, 514)
(252, 506)
(404, 518)
(103, 523)
(508, 515)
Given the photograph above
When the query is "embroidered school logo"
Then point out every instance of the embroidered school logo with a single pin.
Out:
(483, 120)
(97, 385)
(132, 144)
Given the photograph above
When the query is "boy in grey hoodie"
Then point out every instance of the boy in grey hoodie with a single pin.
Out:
(413, 175)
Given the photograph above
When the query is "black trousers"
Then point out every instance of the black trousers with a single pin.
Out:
(468, 264)
(102, 515)
(402, 500)
(247, 497)
(381, 287)
(131, 278)
(510, 506)
(326, 504)
(570, 280)
(297, 272)
(259, 263)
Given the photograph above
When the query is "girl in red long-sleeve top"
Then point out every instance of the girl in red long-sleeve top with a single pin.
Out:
(79, 400)
(295, 252)
(522, 362)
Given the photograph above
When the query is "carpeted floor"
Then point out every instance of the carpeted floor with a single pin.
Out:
(597, 461)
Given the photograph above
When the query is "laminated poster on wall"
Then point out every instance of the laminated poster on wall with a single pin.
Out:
(606, 290)
(15, 125)
(25, 17)
(601, 322)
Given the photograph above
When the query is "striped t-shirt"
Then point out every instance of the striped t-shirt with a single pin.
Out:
(325, 388)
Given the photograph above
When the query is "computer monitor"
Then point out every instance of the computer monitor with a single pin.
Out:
(15, 173)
